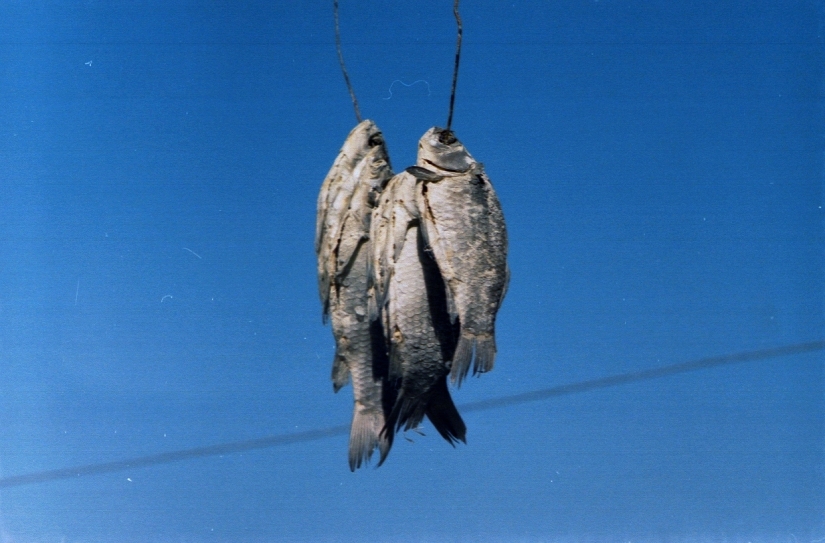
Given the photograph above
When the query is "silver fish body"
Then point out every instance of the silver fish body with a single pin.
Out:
(412, 304)
(343, 254)
(333, 206)
(463, 224)
(334, 198)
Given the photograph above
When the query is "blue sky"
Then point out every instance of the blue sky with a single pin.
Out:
(660, 168)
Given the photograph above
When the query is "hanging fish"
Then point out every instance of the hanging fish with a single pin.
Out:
(333, 205)
(345, 206)
(463, 224)
(333, 199)
(410, 299)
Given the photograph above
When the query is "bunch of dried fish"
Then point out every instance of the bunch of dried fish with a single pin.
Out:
(412, 270)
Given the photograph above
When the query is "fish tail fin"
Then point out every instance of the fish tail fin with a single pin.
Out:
(479, 349)
(485, 355)
(407, 413)
(461, 359)
(366, 435)
(444, 415)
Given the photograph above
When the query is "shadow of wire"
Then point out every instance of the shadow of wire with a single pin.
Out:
(494, 403)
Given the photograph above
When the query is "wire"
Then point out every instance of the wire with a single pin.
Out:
(493, 403)
(455, 69)
(341, 61)
(174, 456)
(644, 375)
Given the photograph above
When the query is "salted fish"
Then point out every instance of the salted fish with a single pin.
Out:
(342, 243)
(333, 205)
(411, 303)
(463, 224)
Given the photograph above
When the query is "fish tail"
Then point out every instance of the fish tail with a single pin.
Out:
(479, 349)
(384, 444)
(444, 416)
(366, 435)
(407, 412)
(485, 355)
(462, 358)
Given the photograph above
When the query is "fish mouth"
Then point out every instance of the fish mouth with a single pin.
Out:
(447, 137)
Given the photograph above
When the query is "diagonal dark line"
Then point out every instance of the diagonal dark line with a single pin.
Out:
(494, 403)
(174, 456)
(644, 375)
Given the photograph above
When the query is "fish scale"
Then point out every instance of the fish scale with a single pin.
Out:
(414, 315)
(345, 205)
(333, 200)
(463, 224)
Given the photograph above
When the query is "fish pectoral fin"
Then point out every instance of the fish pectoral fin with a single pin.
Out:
(434, 247)
(379, 270)
(376, 265)
(374, 305)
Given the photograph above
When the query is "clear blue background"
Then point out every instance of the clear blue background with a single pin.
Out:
(660, 165)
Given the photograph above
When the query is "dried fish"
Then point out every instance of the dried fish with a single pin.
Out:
(333, 206)
(411, 303)
(345, 209)
(333, 199)
(463, 224)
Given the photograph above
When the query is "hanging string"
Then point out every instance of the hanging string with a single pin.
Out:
(344, 68)
(455, 70)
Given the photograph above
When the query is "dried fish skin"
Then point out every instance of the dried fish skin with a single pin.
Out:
(343, 248)
(371, 174)
(334, 205)
(390, 220)
(413, 312)
(463, 224)
(360, 348)
(334, 196)
(359, 342)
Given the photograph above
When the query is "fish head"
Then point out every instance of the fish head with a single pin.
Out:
(439, 149)
(364, 137)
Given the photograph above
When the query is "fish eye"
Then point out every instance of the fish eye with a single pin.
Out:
(375, 140)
